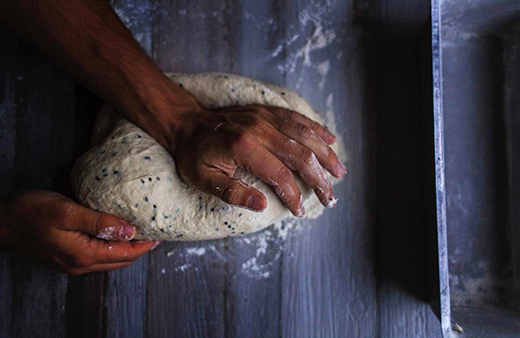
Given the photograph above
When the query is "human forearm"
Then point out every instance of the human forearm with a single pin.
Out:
(87, 39)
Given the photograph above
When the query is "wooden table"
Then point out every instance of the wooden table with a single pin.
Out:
(357, 271)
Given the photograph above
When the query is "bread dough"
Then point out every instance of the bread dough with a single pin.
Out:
(128, 174)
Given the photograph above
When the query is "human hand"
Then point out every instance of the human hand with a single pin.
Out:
(270, 142)
(66, 236)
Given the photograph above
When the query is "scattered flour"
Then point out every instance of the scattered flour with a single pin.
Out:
(330, 119)
(320, 39)
(323, 69)
(254, 270)
(268, 246)
(183, 267)
(196, 251)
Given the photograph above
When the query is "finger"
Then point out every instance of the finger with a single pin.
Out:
(301, 159)
(307, 137)
(99, 267)
(255, 158)
(288, 114)
(117, 252)
(100, 225)
(233, 191)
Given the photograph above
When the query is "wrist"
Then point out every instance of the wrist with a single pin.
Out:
(163, 110)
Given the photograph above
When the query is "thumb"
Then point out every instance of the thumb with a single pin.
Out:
(234, 191)
(105, 226)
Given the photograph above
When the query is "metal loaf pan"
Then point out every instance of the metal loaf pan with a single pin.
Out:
(476, 100)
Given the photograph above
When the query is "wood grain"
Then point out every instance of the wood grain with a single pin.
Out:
(357, 271)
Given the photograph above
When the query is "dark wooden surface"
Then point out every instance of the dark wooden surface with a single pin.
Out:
(358, 271)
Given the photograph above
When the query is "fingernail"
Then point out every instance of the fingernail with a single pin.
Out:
(155, 245)
(255, 202)
(331, 136)
(127, 232)
(341, 169)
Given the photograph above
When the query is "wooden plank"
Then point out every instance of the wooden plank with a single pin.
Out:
(253, 297)
(318, 279)
(85, 294)
(329, 284)
(187, 289)
(44, 105)
(125, 290)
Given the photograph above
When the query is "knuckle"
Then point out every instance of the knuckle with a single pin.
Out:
(63, 212)
(229, 194)
(291, 114)
(305, 155)
(331, 155)
(284, 176)
(315, 125)
(243, 140)
(256, 122)
(102, 222)
(303, 131)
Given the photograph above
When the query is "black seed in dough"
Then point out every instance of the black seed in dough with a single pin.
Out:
(147, 158)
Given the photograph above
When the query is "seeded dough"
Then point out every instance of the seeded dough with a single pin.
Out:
(128, 174)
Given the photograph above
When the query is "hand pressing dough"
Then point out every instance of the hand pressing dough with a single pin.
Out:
(130, 175)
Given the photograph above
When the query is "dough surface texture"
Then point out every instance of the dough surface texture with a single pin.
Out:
(128, 174)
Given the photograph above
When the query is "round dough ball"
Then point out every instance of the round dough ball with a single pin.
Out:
(128, 174)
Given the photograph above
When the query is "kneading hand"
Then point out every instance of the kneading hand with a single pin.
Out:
(64, 235)
(269, 142)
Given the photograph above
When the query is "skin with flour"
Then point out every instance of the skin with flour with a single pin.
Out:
(130, 175)
(87, 39)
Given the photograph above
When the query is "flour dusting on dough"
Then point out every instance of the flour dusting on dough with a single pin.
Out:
(133, 177)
